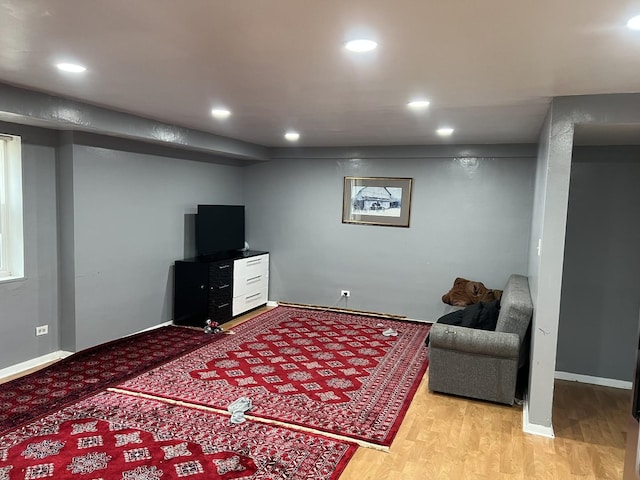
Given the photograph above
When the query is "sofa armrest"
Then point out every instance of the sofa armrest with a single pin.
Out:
(470, 340)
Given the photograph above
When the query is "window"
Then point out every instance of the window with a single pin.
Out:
(11, 234)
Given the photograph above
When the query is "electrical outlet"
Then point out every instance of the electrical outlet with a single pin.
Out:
(42, 330)
(345, 293)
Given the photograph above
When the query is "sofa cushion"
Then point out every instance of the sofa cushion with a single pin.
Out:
(481, 316)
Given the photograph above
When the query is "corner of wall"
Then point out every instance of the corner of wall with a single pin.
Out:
(532, 428)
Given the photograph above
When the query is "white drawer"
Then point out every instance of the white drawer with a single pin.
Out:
(251, 266)
(248, 301)
(255, 282)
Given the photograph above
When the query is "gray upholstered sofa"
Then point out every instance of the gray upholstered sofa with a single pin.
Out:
(479, 363)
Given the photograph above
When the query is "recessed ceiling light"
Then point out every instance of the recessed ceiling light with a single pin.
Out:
(418, 104)
(634, 23)
(444, 131)
(220, 113)
(292, 136)
(361, 45)
(71, 67)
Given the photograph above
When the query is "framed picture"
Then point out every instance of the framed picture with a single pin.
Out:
(377, 201)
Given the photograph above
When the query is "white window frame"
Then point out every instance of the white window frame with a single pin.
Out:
(11, 221)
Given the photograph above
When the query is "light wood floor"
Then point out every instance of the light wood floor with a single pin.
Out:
(447, 437)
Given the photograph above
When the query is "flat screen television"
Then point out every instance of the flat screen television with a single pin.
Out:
(219, 229)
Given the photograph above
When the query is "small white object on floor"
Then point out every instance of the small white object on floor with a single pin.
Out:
(380, 325)
(237, 409)
(390, 332)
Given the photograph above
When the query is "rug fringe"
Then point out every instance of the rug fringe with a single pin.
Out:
(342, 310)
(267, 421)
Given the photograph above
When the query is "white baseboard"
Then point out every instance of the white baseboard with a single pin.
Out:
(533, 428)
(605, 382)
(272, 303)
(164, 324)
(33, 363)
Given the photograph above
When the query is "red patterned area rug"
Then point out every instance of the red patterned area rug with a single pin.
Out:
(330, 372)
(91, 370)
(113, 436)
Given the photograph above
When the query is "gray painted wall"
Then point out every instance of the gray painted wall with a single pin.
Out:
(601, 279)
(543, 349)
(103, 227)
(33, 301)
(66, 252)
(90, 280)
(566, 112)
(538, 206)
(470, 217)
(129, 215)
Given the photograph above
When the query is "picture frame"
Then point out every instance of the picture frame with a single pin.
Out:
(384, 201)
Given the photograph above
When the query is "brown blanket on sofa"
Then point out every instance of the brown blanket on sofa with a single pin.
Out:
(468, 292)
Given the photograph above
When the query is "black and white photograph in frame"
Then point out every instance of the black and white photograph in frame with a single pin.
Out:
(377, 201)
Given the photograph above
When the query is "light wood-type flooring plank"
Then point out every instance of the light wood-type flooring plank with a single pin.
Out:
(448, 437)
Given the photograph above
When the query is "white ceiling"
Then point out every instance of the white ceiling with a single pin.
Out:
(489, 67)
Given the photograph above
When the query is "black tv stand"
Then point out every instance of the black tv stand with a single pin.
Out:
(219, 287)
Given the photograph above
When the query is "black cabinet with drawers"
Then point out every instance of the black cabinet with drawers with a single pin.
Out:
(204, 288)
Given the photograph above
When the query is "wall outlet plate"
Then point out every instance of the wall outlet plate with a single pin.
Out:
(42, 330)
(345, 293)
